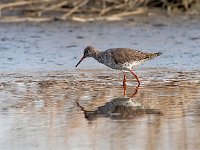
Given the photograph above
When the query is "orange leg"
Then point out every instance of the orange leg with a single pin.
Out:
(124, 83)
(135, 77)
(135, 92)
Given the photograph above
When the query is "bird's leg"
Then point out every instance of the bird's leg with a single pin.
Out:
(124, 91)
(135, 92)
(135, 77)
(124, 83)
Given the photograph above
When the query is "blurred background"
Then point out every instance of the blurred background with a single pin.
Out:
(89, 10)
(47, 103)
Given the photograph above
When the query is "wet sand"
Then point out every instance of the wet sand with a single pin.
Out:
(46, 103)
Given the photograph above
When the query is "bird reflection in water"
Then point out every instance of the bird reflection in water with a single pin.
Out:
(120, 108)
(135, 90)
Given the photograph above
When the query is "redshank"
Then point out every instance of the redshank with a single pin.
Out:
(124, 59)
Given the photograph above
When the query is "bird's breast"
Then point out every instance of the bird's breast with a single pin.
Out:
(109, 62)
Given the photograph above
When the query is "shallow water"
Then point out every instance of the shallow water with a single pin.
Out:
(45, 103)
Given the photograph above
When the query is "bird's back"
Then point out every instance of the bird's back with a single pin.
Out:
(123, 58)
(124, 55)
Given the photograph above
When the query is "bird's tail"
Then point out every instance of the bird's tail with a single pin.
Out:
(157, 54)
(151, 56)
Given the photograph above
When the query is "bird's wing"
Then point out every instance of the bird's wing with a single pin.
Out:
(122, 55)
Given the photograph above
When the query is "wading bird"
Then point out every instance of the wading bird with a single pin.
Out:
(124, 59)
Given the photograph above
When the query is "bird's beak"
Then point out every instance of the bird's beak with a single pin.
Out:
(80, 61)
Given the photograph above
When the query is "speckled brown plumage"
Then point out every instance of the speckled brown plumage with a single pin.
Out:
(123, 55)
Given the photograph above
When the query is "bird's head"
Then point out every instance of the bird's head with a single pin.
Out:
(89, 51)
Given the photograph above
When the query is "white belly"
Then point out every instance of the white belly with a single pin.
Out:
(131, 65)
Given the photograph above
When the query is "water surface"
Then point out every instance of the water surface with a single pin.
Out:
(45, 103)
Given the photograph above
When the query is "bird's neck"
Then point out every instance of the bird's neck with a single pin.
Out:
(99, 57)
(96, 55)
